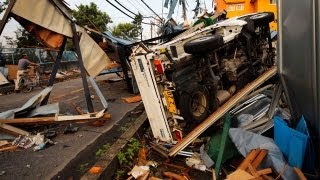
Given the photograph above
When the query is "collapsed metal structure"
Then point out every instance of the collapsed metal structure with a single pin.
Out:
(50, 21)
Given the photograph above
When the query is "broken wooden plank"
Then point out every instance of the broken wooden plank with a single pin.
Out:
(10, 148)
(172, 175)
(58, 119)
(132, 99)
(221, 111)
(13, 130)
(299, 173)
(239, 175)
(4, 143)
(264, 171)
(259, 158)
(253, 171)
(249, 159)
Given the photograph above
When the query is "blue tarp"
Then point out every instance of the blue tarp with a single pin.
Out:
(115, 40)
(292, 142)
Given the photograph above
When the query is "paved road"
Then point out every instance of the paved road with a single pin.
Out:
(26, 164)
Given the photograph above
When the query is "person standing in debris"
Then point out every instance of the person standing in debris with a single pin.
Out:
(23, 65)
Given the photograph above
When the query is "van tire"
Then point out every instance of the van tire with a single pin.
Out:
(203, 44)
(263, 18)
(195, 104)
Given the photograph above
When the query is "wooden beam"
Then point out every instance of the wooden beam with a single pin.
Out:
(259, 158)
(13, 130)
(249, 159)
(10, 148)
(58, 119)
(221, 111)
(264, 171)
(299, 173)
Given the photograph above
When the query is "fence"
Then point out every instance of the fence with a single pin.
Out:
(37, 55)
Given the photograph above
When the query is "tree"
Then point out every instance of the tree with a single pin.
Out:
(25, 39)
(129, 30)
(22, 39)
(125, 31)
(92, 17)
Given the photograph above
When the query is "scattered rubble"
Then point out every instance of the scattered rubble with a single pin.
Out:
(34, 113)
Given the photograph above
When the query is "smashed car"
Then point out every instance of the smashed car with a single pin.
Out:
(184, 80)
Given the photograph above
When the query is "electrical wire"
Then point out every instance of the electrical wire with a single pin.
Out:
(124, 12)
(119, 9)
(133, 5)
(150, 8)
(139, 10)
(141, 5)
(125, 8)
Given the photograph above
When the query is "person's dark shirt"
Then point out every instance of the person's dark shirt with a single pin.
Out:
(23, 64)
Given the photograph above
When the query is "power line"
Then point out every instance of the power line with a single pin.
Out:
(136, 7)
(125, 8)
(133, 5)
(150, 8)
(124, 12)
(119, 9)
(141, 5)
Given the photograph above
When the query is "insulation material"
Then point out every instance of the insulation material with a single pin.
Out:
(94, 58)
(43, 13)
(45, 36)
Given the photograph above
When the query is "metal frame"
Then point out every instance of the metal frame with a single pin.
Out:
(87, 95)
(6, 15)
(57, 64)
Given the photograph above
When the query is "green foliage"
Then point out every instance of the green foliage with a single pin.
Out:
(23, 39)
(119, 174)
(129, 30)
(125, 31)
(102, 150)
(83, 168)
(91, 16)
(122, 158)
(126, 156)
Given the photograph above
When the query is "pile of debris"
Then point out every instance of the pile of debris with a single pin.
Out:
(252, 141)
(33, 112)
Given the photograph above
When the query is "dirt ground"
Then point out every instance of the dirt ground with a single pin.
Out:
(47, 163)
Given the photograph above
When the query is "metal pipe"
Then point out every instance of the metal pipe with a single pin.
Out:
(99, 93)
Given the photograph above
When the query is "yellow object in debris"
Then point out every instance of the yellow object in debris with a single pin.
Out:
(171, 105)
(163, 50)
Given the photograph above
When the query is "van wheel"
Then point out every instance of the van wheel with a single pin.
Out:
(262, 18)
(195, 105)
(203, 44)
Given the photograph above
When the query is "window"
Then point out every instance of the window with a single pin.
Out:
(239, 7)
(230, 8)
(273, 1)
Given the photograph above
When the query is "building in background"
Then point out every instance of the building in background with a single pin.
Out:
(242, 7)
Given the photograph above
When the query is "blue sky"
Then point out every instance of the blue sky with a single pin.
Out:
(117, 16)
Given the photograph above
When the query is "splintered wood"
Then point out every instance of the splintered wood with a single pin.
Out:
(248, 168)
(133, 99)
(221, 111)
